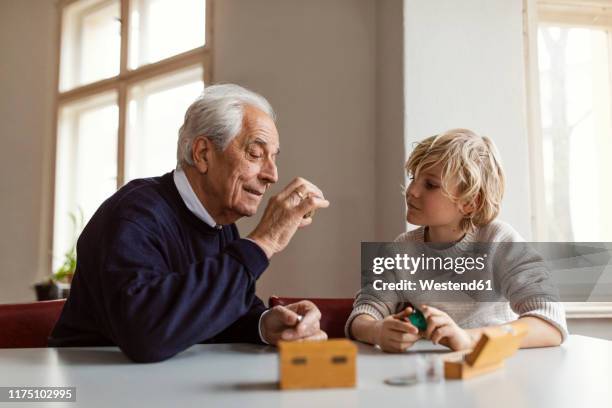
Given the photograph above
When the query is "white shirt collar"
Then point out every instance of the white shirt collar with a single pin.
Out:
(191, 199)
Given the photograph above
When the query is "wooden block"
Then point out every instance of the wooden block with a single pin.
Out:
(317, 364)
(460, 370)
(496, 344)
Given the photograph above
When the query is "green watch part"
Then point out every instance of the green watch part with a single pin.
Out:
(418, 320)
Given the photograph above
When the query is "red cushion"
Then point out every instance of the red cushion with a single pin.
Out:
(25, 325)
(334, 312)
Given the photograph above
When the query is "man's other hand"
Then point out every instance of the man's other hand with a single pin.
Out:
(283, 323)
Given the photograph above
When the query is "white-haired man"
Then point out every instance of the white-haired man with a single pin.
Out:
(161, 265)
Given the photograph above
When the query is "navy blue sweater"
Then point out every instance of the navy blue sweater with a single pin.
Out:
(154, 279)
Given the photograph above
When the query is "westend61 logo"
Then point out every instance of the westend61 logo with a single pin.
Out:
(421, 272)
(404, 266)
(412, 264)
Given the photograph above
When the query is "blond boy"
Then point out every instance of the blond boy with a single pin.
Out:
(455, 194)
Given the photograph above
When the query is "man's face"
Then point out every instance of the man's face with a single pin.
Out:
(241, 173)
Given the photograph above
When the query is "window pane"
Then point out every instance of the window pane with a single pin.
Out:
(162, 28)
(86, 164)
(91, 42)
(155, 113)
(577, 135)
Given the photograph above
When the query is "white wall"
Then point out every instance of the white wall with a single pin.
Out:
(464, 67)
(27, 70)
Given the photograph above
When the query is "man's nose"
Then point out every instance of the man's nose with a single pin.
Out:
(269, 172)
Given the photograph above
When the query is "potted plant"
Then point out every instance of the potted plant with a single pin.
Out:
(57, 286)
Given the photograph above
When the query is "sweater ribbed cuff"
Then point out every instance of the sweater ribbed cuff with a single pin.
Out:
(359, 310)
(547, 310)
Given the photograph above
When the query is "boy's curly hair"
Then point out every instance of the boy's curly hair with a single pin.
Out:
(470, 167)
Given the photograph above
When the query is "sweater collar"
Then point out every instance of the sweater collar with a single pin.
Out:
(191, 200)
(457, 248)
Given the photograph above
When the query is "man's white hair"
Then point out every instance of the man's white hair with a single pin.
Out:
(217, 114)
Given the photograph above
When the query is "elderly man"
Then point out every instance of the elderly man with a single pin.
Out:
(161, 265)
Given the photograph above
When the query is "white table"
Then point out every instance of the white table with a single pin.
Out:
(577, 374)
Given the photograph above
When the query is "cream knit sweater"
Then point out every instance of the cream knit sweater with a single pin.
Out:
(517, 301)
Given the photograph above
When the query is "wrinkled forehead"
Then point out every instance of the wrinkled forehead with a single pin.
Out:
(258, 127)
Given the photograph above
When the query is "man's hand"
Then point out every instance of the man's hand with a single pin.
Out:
(441, 329)
(283, 323)
(395, 335)
(286, 212)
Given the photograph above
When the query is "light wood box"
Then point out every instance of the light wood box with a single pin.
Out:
(317, 364)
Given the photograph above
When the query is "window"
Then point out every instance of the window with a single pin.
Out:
(152, 128)
(91, 42)
(570, 125)
(124, 85)
(573, 129)
(152, 20)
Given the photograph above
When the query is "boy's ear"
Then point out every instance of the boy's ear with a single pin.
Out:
(201, 150)
(469, 208)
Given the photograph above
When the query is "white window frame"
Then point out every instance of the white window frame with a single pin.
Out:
(574, 13)
(200, 56)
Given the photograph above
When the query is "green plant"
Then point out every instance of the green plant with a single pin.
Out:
(66, 271)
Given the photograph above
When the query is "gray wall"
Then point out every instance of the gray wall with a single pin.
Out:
(27, 72)
(330, 68)
(597, 327)
(320, 64)
(390, 106)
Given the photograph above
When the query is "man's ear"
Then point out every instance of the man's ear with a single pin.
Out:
(201, 151)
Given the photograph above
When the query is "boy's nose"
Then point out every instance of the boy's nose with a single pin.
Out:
(412, 190)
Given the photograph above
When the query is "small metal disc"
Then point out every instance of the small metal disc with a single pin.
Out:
(402, 381)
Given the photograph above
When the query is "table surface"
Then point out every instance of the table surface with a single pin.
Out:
(577, 374)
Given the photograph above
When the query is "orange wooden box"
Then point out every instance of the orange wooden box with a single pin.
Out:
(495, 345)
(317, 364)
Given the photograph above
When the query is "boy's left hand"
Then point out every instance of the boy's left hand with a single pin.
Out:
(441, 329)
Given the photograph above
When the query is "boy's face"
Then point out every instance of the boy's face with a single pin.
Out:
(427, 204)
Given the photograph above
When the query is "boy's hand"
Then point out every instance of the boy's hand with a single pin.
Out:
(441, 329)
(394, 334)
